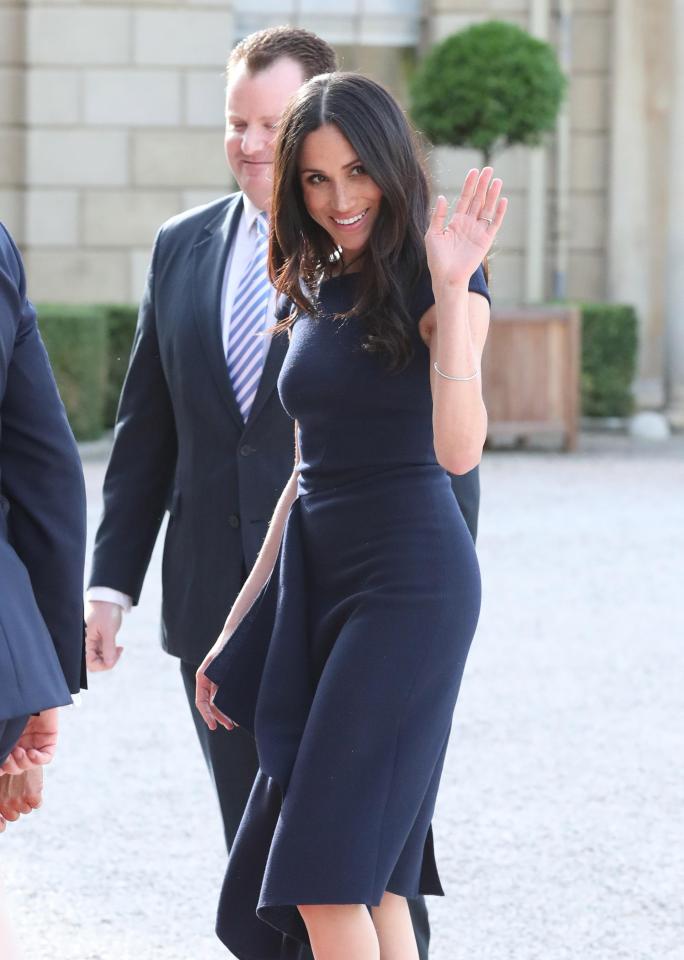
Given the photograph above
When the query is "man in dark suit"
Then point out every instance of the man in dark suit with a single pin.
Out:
(42, 546)
(200, 429)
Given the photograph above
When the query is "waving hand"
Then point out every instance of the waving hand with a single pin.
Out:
(456, 247)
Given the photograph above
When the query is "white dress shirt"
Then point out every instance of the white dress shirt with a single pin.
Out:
(238, 260)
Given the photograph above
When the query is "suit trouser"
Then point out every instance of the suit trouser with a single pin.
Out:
(10, 731)
(232, 761)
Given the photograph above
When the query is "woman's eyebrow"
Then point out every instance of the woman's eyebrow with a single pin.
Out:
(351, 163)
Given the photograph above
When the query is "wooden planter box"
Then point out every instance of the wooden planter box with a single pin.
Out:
(531, 375)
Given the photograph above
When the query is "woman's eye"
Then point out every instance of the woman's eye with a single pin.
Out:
(238, 127)
(358, 170)
(316, 178)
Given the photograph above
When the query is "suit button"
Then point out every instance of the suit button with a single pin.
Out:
(245, 450)
(234, 520)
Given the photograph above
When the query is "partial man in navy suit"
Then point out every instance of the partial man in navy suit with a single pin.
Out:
(42, 548)
(200, 431)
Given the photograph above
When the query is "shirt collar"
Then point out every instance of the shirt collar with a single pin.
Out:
(251, 212)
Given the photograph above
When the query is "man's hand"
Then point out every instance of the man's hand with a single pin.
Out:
(36, 746)
(20, 793)
(103, 621)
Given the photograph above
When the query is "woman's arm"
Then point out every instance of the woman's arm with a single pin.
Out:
(456, 326)
(251, 588)
(459, 416)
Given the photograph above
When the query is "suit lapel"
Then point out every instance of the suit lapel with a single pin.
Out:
(269, 374)
(210, 257)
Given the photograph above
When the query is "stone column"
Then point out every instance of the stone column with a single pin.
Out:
(537, 203)
(675, 251)
(638, 185)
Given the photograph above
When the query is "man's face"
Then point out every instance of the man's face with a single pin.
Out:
(254, 105)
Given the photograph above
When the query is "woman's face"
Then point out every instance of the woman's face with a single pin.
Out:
(338, 193)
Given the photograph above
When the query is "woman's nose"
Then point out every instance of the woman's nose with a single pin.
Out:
(342, 198)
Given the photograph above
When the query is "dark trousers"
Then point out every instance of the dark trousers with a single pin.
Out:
(233, 764)
(10, 731)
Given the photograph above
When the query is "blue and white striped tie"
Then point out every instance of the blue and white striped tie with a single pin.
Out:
(247, 320)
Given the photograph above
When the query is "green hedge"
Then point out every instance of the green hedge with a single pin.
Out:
(121, 321)
(89, 347)
(609, 355)
(76, 340)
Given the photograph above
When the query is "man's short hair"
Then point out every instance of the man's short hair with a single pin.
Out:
(259, 50)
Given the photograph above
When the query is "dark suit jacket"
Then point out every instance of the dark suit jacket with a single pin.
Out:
(42, 515)
(180, 442)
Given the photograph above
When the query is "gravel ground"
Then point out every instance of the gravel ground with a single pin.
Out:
(561, 817)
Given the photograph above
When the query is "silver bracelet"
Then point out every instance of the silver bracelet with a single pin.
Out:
(447, 377)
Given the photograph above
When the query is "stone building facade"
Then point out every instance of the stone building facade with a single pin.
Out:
(111, 121)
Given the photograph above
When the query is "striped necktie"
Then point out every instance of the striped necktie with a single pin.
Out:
(247, 320)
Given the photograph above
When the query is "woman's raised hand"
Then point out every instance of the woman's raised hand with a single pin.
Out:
(205, 690)
(456, 247)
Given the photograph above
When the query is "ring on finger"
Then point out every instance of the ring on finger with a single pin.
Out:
(489, 220)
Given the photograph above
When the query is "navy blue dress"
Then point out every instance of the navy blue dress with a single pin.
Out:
(348, 665)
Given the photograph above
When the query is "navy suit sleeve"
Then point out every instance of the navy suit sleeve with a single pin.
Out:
(40, 470)
(423, 297)
(143, 460)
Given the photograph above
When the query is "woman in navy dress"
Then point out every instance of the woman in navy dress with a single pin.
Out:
(345, 649)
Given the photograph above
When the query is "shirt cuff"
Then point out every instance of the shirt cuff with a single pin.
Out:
(110, 596)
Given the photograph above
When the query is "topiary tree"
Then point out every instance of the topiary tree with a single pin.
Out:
(487, 87)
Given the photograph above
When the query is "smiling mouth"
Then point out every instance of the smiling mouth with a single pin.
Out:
(350, 220)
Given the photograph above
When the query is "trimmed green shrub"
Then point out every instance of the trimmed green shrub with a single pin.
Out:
(490, 86)
(75, 338)
(121, 321)
(609, 354)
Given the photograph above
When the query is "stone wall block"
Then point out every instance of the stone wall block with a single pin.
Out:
(126, 218)
(182, 37)
(593, 6)
(588, 222)
(487, 8)
(591, 42)
(11, 96)
(205, 99)
(450, 165)
(513, 234)
(586, 277)
(78, 35)
(12, 154)
(139, 262)
(12, 27)
(589, 100)
(506, 277)
(179, 159)
(12, 212)
(73, 276)
(198, 198)
(77, 158)
(53, 97)
(589, 162)
(52, 218)
(132, 98)
(442, 25)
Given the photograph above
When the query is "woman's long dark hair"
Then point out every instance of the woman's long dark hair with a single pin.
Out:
(301, 249)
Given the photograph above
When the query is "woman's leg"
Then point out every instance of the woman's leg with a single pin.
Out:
(392, 921)
(341, 931)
